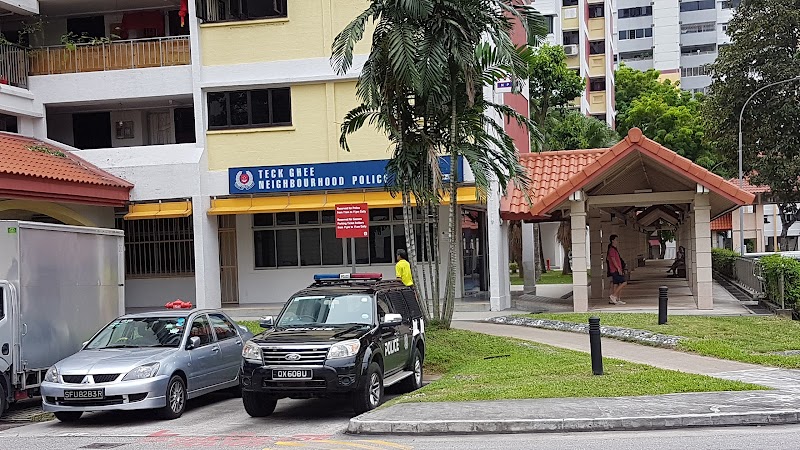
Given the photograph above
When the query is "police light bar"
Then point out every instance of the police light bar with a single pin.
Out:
(347, 276)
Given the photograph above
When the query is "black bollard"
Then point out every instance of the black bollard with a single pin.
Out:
(662, 305)
(594, 344)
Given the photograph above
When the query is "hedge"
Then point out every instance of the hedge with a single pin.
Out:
(723, 261)
(775, 266)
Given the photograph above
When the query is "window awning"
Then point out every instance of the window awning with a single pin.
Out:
(165, 210)
(315, 202)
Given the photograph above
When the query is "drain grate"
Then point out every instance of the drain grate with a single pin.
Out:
(100, 445)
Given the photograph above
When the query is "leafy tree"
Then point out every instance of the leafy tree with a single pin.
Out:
(765, 37)
(422, 85)
(568, 130)
(664, 113)
(551, 83)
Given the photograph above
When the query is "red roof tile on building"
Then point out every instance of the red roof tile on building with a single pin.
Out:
(30, 168)
(722, 223)
(555, 175)
(749, 187)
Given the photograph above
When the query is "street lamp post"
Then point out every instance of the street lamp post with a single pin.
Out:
(742, 248)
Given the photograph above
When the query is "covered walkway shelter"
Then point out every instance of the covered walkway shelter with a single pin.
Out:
(633, 189)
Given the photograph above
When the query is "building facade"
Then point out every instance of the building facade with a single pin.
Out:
(225, 116)
(678, 38)
(586, 30)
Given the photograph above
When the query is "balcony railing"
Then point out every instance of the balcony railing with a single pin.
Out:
(116, 55)
(13, 65)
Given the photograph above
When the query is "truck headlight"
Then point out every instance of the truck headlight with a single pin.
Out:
(252, 353)
(52, 375)
(344, 349)
(142, 372)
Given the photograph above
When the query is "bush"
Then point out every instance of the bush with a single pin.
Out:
(513, 267)
(723, 261)
(776, 266)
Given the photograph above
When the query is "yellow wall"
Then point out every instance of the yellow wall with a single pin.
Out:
(569, 18)
(317, 114)
(573, 62)
(675, 76)
(597, 65)
(597, 102)
(597, 29)
(308, 32)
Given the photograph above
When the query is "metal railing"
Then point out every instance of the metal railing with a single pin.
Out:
(13, 65)
(116, 55)
(749, 275)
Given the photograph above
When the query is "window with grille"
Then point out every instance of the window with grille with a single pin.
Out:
(158, 247)
(302, 239)
(231, 10)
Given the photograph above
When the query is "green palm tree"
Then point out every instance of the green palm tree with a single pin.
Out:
(422, 85)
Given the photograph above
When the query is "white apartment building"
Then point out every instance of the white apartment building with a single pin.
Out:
(678, 38)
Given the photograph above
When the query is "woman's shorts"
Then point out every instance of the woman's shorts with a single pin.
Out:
(617, 278)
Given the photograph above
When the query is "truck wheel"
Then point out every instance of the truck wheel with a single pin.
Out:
(3, 400)
(413, 382)
(258, 404)
(176, 399)
(370, 394)
(68, 416)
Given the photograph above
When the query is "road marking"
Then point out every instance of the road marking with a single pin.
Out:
(351, 444)
(389, 444)
(290, 444)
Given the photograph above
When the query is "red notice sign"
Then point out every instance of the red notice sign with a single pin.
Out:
(352, 220)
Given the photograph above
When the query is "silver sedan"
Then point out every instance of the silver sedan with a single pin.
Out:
(153, 360)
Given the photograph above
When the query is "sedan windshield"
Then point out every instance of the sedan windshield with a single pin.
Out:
(140, 332)
(329, 310)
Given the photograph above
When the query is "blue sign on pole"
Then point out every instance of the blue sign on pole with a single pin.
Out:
(318, 177)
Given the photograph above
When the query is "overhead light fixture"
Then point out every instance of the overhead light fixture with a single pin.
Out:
(642, 191)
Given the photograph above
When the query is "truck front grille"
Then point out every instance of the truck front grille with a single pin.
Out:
(306, 355)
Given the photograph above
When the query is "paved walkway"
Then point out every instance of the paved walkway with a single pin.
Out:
(778, 406)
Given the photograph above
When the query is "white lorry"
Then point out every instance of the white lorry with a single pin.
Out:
(58, 285)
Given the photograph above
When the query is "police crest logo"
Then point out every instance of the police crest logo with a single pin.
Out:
(244, 180)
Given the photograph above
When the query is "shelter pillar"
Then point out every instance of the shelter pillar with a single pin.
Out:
(499, 278)
(596, 255)
(580, 290)
(530, 251)
(702, 226)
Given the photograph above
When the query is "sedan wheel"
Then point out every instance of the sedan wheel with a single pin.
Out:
(176, 399)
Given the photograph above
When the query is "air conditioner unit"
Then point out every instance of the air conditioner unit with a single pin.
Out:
(571, 50)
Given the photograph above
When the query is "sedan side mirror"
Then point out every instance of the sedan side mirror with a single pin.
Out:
(392, 320)
(267, 322)
(194, 342)
(243, 329)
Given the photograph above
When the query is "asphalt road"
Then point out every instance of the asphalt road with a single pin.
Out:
(219, 422)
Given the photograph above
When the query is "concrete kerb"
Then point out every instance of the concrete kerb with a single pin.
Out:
(510, 426)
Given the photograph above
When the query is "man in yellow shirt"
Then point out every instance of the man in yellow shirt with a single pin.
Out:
(403, 268)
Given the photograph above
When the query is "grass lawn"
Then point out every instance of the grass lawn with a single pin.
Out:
(745, 339)
(481, 367)
(529, 370)
(552, 277)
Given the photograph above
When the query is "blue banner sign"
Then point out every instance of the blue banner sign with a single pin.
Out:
(318, 177)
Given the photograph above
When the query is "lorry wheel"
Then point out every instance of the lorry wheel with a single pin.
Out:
(176, 399)
(3, 400)
(68, 416)
(413, 382)
(258, 404)
(370, 394)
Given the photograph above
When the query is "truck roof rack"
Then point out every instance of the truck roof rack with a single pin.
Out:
(346, 278)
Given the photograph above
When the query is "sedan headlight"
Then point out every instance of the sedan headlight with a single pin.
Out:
(52, 375)
(344, 349)
(142, 372)
(252, 353)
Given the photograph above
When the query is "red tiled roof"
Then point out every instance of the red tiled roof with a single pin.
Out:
(19, 156)
(722, 223)
(555, 175)
(749, 187)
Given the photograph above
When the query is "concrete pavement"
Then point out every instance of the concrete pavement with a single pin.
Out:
(778, 406)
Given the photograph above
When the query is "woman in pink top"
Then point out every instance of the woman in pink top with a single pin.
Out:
(616, 271)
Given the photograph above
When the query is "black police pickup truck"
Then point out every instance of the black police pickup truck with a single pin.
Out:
(346, 334)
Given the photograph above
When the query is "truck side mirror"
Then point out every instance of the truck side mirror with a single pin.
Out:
(267, 322)
(194, 342)
(392, 320)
